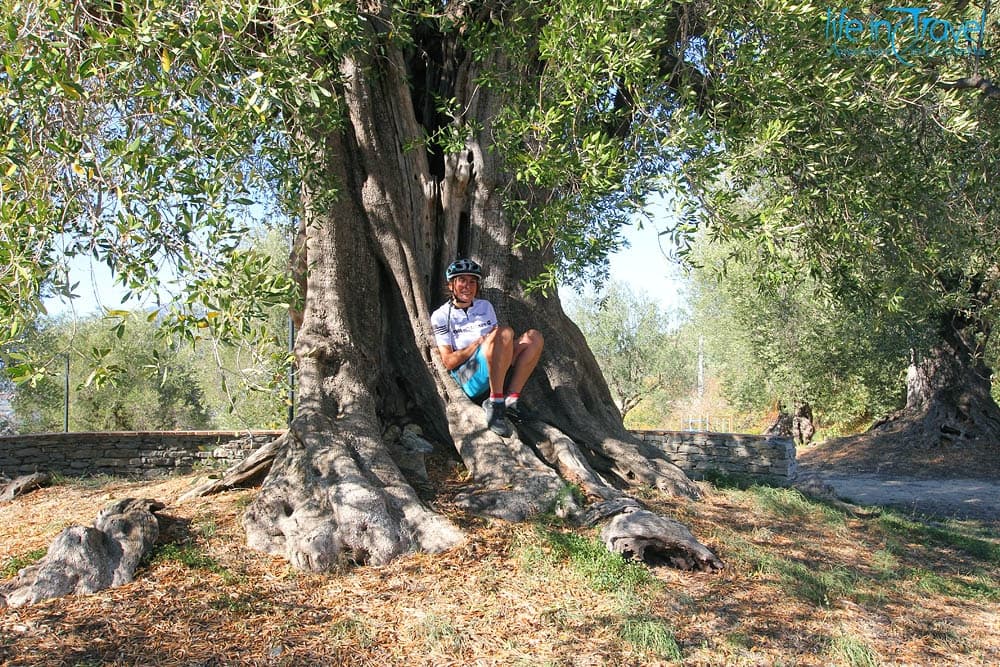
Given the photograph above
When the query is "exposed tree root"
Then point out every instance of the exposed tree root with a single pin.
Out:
(948, 397)
(657, 540)
(334, 496)
(633, 531)
(509, 481)
(88, 559)
(23, 484)
(248, 472)
(519, 463)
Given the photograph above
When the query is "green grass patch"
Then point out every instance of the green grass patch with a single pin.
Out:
(724, 480)
(817, 585)
(823, 583)
(58, 479)
(649, 634)
(603, 570)
(974, 587)
(570, 495)
(440, 634)
(885, 564)
(850, 650)
(353, 631)
(242, 604)
(243, 502)
(947, 536)
(14, 564)
(820, 587)
(186, 554)
(756, 559)
(207, 527)
(790, 504)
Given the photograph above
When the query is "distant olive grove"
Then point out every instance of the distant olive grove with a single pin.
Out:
(140, 377)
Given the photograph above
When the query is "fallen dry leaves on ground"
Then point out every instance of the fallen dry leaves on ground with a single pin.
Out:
(500, 599)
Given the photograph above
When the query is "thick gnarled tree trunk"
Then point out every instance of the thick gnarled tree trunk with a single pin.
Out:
(373, 261)
(948, 396)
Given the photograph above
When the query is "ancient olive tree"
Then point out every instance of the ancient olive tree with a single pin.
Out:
(399, 135)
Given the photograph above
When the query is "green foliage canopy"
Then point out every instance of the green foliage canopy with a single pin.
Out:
(149, 135)
(135, 377)
(874, 177)
(152, 135)
(133, 370)
(136, 386)
(789, 342)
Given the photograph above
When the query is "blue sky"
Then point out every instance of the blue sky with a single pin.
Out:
(645, 267)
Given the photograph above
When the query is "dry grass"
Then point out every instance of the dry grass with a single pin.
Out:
(804, 585)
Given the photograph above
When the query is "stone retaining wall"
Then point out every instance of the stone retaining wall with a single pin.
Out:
(154, 454)
(126, 454)
(766, 458)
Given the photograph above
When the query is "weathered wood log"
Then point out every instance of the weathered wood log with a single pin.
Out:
(84, 560)
(657, 540)
(22, 485)
(600, 511)
(253, 467)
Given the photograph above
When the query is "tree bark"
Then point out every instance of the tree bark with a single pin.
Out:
(802, 424)
(948, 397)
(88, 559)
(373, 260)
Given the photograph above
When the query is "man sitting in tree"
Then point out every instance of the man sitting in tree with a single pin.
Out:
(479, 352)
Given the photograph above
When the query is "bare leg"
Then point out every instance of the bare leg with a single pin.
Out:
(526, 353)
(499, 351)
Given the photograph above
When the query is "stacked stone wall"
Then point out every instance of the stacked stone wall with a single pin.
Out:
(126, 454)
(762, 457)
(155, 454)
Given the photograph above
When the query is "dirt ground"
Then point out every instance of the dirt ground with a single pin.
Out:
(804, 585)
(960, 481)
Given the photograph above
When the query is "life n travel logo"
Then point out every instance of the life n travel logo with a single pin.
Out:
(903, 33)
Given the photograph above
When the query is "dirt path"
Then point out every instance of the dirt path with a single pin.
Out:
(976, 499)
(959, 481)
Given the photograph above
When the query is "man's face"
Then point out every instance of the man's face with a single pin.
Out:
(464, 288)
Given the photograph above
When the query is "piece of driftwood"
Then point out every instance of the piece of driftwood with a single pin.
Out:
(84, 560)
(657, 540)
(22, 485)
(253, 467)
(600, 511)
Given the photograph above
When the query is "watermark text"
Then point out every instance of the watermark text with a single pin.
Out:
(903, 33)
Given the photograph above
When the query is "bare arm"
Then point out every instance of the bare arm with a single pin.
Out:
(452, 358)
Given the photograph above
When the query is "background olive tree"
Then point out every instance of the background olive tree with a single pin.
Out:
(642, 352)
(871, 176)
(140, 382)
(786, 341)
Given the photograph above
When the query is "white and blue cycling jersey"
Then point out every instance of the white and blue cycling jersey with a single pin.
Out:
(461, 327)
